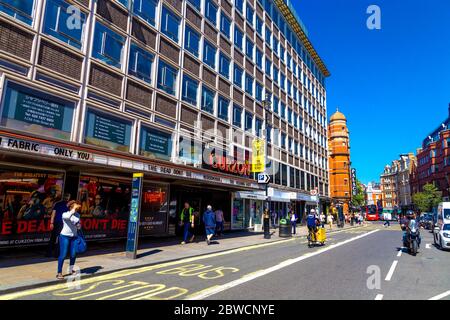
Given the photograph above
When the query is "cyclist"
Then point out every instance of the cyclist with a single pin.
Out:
(312, 221)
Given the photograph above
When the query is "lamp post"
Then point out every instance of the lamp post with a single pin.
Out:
(266, 221)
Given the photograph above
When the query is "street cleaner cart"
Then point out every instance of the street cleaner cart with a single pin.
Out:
(317, 238)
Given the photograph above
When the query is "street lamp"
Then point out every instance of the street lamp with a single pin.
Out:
(266, 222)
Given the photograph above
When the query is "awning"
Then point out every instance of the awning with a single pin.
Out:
(279, 199)
(250, 195)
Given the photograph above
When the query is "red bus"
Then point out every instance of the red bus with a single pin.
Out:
(372, 213)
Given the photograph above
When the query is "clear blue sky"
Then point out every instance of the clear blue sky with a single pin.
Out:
(392, 84)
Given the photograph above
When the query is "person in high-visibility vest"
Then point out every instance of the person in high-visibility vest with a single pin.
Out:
(187, 221)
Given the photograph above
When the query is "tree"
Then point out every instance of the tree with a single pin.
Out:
(359, 199)
(429, 198)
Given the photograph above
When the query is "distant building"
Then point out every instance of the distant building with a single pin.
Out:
(373, 193)
(339, 160)
(433, 161)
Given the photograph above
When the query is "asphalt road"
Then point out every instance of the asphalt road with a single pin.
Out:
(341, 269)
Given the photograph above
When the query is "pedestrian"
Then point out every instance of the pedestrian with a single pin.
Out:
(187, 221)
(293, 218)
(68, 235)
(322, 219)
(386, 221)
(56, 224)
(209, 220)
(219, 222)
(330, 220)
(274, 217)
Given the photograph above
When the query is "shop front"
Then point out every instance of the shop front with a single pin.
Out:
(280, 202)
(247, 210)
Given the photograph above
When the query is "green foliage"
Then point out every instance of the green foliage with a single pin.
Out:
(359, 199)
(429, 198)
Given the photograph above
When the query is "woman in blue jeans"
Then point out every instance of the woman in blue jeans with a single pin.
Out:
(68, 235)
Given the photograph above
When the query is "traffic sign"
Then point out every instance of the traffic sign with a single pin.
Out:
(263, 178)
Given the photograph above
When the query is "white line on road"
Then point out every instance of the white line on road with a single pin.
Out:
(379, 297)
(254, 275)
(391, 271)
(428, 246)
(440, 296)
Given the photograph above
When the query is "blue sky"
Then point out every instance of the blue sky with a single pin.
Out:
(392, 84)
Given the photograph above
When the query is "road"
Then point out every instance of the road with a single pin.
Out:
(364, 263)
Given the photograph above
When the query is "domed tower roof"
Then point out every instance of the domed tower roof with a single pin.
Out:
(338, 116)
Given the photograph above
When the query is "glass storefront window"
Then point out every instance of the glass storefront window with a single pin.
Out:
(33, 111)
(107, 131)
(237, 216)
(154, 209)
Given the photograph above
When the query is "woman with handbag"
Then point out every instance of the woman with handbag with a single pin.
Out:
(69, 236)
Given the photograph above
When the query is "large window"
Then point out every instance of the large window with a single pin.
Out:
(239, 5)
(167, 77)
(259, 25)
(237, 116)
(107, 131)
(155, 144)
(238, 38)
(195, 3)
(211, 12)
(259, 58)
(140, 64)
(249, 48)
(209, 54)
(190, 88)
(238, 73)
(248, 121)
(146, 9)
(60, 23)
(258, 91)
(20, 10)
(192, 41)
(249, 84)
(108, 45)
(250, 12)
(170, 24)
(225, 25)
(258, 127)
(268, 67)
(223, 108)
(224, 66)
(38, 113)
(207, 100)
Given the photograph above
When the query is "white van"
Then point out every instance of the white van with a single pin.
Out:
(442, 227)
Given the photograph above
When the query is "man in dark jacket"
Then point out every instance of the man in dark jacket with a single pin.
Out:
(209, 219)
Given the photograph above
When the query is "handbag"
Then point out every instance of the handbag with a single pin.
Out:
(80, 243)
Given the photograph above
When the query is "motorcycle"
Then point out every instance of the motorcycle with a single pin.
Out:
(412, 241)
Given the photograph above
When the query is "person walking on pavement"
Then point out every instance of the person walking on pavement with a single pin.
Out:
(274, 217)
(67, 237)
(330, 220)
(56, 224)
(293, 218)
(322, 220)
(219, 222)
(209, 220)
(187, 221)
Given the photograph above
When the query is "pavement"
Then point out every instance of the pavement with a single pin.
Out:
(362, 263)
(27, 268)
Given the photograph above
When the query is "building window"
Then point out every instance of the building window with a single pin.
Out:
(207, 100)
(259, 58)
(250, 12)
(146, 9)
(238, 73)
(61, 25)
(223, 108)
(283, 140)
(155, 144)
(140, 64)
(192, 41)
(268, 67)
(249, 48)
(238, 38)
(190, 88)
(108, 45)
(283, 111)
(259, 26)
(20, 10)
(268, 36)
(239, 5)
(195, 3)
(225, 25)
(209, 54)
(237, 116)
(224, 66)
(248, 121)
(167, 77)
(275, 74)
(276, 102)
(258, 127)
(170, 24)
(249, 84)
(258, 92)
(211, 12)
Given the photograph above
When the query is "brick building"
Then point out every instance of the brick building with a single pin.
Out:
(92, 91)
(339, 158)
(433, 161)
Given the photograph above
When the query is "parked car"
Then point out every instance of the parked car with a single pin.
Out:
(442, 236)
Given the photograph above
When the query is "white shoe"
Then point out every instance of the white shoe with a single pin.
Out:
(183, 242)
